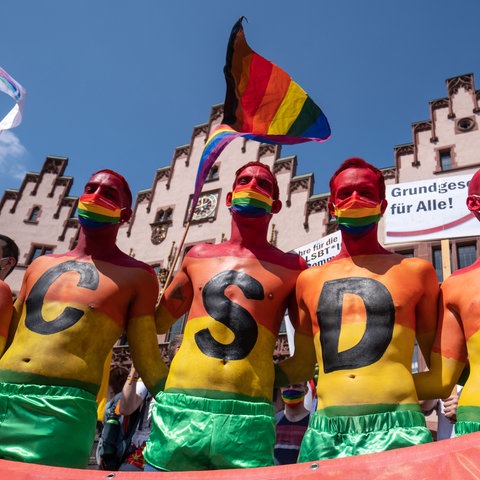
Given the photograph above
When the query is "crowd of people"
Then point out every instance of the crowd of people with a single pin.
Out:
(356, 319)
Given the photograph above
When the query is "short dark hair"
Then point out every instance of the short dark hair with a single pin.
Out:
(356, 162)
(276, 191)
(125, 184)
(173, 345)
(118, 376)
(10, 249)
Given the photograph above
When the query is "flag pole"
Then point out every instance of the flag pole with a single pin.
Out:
(446, 266)
(177, 255)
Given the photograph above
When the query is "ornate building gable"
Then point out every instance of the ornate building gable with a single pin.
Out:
(450, 117)
(52, 165)
(317, 204)
(39, 216)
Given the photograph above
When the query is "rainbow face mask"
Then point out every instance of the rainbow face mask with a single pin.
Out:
(357, 215)
(251, 203)
(292, 397)
(96, 211)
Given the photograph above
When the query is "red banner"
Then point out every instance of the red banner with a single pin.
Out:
(458, 458)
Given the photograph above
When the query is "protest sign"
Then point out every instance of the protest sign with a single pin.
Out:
(429, 210)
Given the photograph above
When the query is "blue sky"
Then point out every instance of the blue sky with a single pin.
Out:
(117, 84)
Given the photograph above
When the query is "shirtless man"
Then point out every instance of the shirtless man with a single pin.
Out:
(8, 260)
(458, 337)
(216, 410)
(366, 307)
(69, 313)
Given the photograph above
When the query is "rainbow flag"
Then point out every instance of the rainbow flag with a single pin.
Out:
(262, 103)
(14, 90)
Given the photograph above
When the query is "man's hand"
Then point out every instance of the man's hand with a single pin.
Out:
(450, 405)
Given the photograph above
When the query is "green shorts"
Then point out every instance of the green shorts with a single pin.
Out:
(468, 420)
(344, 436)
(47, 424)
(193, 433)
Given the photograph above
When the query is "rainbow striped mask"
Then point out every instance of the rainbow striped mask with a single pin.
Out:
(357, 215)
(251, 203)
(97, 211)
(293, 398)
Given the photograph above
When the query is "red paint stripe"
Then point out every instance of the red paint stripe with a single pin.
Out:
(274, 96)
(260, 72)
(433, 229)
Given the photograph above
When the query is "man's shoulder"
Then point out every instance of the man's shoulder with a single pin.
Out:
(120, 260)
(129, 262)
(289, 260)
(5, 290)
(471, 269)
(419, 264)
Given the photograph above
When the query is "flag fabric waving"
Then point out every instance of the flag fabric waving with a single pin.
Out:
(12, 88)
(262, 103)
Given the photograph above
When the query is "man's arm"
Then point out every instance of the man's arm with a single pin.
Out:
(449, 354)
(6, 312)
(301, 365)
(142, 334)
(132, 393)
(175, 301)
(426, 310)
(18, 308)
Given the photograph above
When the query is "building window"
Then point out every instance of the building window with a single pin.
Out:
(445, 160)
(38, 251)
(164, 215)
(437, 262)
(406, 253)
(466, 255)
(34, 214)
(213, 174)
(465, 124)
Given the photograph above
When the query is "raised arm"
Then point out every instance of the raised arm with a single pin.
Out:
(133, 393)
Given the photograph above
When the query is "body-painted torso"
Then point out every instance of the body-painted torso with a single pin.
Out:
(237, 305)
(364, 311)
(459, 337)
(71, 311)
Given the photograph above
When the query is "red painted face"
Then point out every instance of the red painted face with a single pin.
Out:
(355, 201)
(256, 179)
(111, 188)
(356, 183)
(361, 182)
(473, 198)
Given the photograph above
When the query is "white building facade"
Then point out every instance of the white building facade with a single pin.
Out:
(40, 215)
